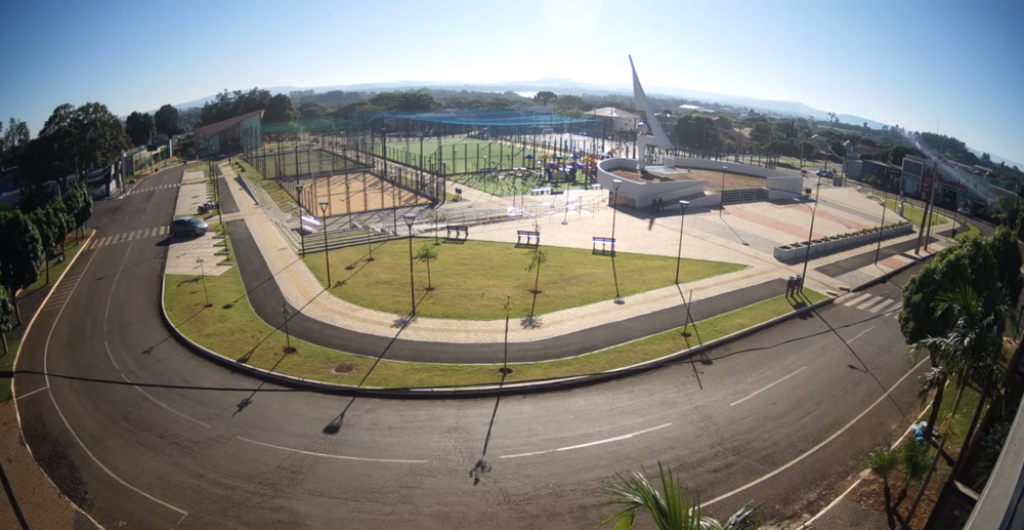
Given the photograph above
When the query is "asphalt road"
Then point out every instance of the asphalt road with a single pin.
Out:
(783, 418)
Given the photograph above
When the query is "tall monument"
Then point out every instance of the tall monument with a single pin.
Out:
(647, 133)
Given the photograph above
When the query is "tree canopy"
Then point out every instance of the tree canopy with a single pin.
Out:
(140, 128)
(21, 251)
(279, 110)
(227, 105)
(167, 121)
(545, 97)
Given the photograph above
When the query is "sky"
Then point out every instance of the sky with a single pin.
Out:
(952, 67)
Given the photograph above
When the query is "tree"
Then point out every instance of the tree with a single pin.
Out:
(671, 508)
(61, 221)
(308, 111)
(1006, 252)
(279, 110)
(74, 140)
(78, 203)
(426, 254)
(16, 135)
(538, 257)
(838, 148)
(227, 105)
(167, 121)
(545, 97)
(139, 128)
(905, 465)
(48, 230)
(20, 254)
(7, 311)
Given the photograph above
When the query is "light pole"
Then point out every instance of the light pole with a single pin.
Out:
(410, 218)
(682, 220)
(302, 228)
(327, 254)
(721, 193)
(810, 234)
(615, 202)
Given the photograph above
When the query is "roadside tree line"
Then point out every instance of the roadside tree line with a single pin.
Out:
(30, 237)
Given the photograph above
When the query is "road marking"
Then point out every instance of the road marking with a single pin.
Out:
(825, 442)
(861, 334)
(337, 457)
(590, 444)
(870, 303)
(27, 394)
(46, 370)
(164, 405)
(882, 306)
(857, 299)
(756, 392)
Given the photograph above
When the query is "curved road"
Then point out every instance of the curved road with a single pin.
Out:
(783, 418)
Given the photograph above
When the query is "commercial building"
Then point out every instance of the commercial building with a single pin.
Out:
(230, 136)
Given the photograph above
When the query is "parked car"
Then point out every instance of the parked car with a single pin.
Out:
(966, 212)
(188, 226)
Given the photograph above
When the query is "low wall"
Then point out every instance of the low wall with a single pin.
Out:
(731, 167)
(642, 194)
(823, 246)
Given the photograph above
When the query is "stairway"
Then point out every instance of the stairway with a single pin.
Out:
(744, 195)
(337, 238)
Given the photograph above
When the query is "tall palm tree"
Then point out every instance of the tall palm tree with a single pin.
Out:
(672, 508)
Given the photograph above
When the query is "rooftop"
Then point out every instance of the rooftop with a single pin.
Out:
(214, 128)
(612, 112)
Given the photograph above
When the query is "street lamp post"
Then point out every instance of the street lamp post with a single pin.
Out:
(810, 234)
(682, 220)
(327, 254)
(615, 203)
(302, 228)
(721, 193)
(410, 218)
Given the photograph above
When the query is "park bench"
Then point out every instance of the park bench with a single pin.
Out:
(607, 246)
(532, 239)
(541, 191)
(461, 233)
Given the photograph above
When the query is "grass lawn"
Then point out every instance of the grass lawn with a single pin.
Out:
(284, 201)
(6, 363)
(471, 280)
(914, 214)
(230, 328)
(56, 267)
(971, 231)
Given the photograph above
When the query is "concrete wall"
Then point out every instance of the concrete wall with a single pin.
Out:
(642, 194)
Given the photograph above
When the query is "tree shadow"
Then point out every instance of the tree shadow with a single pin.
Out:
(615, 278)
(531, 322)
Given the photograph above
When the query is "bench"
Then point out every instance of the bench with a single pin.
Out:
(461, 232)
(595, 186)
(607, 246)
(541, 191)
(532, 238)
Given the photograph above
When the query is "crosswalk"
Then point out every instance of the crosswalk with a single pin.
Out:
(62, 292)
(875, 304)
(152, 188)
(144, 233)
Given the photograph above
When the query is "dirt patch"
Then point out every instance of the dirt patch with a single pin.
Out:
(343, 368)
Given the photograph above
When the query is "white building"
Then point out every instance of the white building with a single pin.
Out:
(621, 120)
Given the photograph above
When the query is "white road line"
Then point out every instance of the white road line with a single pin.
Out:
(27, 394)
(825, 442)
(856, 299)
(46, 370)
(861, 334)
(590, 444)
(337, 457)
(870, 303)
(164, 405)
(756, 392)
(882, 306)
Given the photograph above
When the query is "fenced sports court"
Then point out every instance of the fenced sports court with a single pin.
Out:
(355, 191)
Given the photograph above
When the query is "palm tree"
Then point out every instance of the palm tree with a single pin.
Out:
(911, 462)
(426, 254)
(672, 508)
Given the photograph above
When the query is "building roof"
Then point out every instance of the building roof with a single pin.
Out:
(612, 112)
(214, 128)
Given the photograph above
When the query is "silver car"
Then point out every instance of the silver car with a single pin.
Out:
(188, 226)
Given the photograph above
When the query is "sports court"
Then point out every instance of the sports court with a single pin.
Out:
(356, 191)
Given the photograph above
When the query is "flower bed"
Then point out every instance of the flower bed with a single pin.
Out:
(838, 243)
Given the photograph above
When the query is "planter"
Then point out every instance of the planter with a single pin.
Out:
(824, 246)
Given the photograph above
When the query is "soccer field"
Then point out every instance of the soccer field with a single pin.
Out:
(463, 155)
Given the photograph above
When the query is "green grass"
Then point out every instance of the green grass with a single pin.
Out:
(471, 280)
(915, 214)
(463, 155)
(56, 267)
(230, 328)
(504, 187)
(7, 363)
(280, 197)
(971, 231)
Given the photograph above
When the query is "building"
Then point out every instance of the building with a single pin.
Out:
(230, 136)
(619, 120)
(878, 171)
(104, 182)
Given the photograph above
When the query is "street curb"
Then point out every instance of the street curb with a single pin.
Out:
(14, 395)
(885, 277)
(474, 391)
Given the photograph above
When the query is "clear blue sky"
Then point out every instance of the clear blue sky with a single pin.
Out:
(898, 62)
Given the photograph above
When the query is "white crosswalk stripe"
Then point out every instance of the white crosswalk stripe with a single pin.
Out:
(857, 299)
(870, 303)
(134, 235)
(882, 306)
